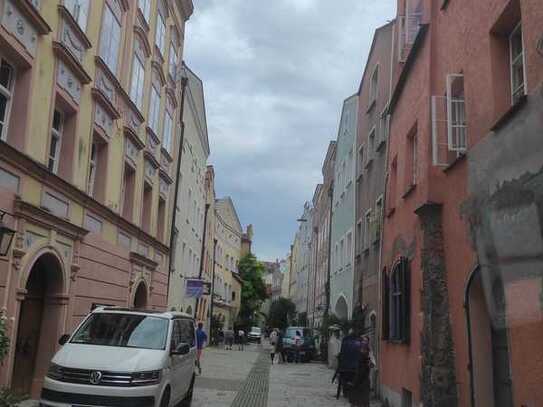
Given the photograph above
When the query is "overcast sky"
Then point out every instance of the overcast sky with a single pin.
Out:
(275, 75)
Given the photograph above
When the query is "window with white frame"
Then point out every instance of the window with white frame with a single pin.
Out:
(516, 52)
(138, 79)
(56, 141)
(374, 85)
(110, 39)
(154, 108)
(145, 7)
(384, 128)
(79, 9)
(367, 229)
(160, 34)
(456, 114)
(167, 133)
(7, 76)
(173, 61)
(93, 165)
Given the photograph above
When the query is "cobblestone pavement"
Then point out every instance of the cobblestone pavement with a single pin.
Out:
(247, 379)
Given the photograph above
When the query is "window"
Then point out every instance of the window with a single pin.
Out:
(167, 134)
(79, 9)
(161, 218)
(56, 141)
(92, 168)
(359, 237)
(398, 302)
(233, 296)
(361, 160)
(367, 229)
(7, 76)
(378, 219)
(374, 85)
(145, 7)
(456, 114)
(411, 161)
(154, 109)
(384, 129)
(371, 146)
(138, 78)
(173, 61)
(516, 52)
(128, 187)
(110, 39)
(349, 248)
(146, 210)
(341, 253)
(160, 35)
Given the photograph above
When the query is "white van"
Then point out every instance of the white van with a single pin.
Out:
(124, 358)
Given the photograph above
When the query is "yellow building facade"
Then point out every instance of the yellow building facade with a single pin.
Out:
(89, 126)
(228, 233)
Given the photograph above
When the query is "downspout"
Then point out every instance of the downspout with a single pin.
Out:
(329, 265)
(202, 255)
(184, 82)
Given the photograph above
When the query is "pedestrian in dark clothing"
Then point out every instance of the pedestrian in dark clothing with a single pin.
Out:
(348, 363)
(359, 395)
(298, 341)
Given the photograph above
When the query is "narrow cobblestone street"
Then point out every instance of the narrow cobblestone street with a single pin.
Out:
(247, 379)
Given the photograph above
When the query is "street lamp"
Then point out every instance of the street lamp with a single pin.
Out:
(6, 236)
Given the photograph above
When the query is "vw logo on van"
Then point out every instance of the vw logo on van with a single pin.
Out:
(95, 377)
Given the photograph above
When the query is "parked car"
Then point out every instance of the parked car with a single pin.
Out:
(122, 357)
(307, 349)
(255, 335)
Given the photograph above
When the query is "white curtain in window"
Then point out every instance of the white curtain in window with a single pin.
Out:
(138, 78)
(79, 9)
(167, 136)
(160, 36)
(154, 109)
(145, 7)
(110, 40)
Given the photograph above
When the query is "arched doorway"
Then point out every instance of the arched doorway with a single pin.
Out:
(40, 313)
(490, 370)
(140, 298)
(342, 310)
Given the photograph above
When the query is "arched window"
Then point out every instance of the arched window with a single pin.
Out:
(396, 303)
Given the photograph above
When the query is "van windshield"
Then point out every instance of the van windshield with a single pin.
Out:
(123, 330)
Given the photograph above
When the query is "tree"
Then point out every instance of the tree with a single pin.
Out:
(253, 290)
(302, 319)
(282, 311)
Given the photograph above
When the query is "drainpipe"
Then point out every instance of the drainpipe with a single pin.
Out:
(202, 255)
(184, 82)
(215, 241)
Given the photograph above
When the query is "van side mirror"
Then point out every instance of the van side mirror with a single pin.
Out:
(182, 349)
(63, 339)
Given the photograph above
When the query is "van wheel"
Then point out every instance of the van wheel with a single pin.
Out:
(187, 401)
(165, 402)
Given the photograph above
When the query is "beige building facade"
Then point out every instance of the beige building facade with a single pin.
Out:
(89, 128)
(228, 232)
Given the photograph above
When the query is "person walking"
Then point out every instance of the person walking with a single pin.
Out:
(273, 343)
(228, 339)
(279, 348)
(201, 341)
(359, 395)
(241, 339)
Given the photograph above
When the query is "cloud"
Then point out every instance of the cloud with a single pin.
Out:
(275, 76)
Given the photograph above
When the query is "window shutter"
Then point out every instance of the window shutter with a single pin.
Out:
(406, 300)
(385, 316)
